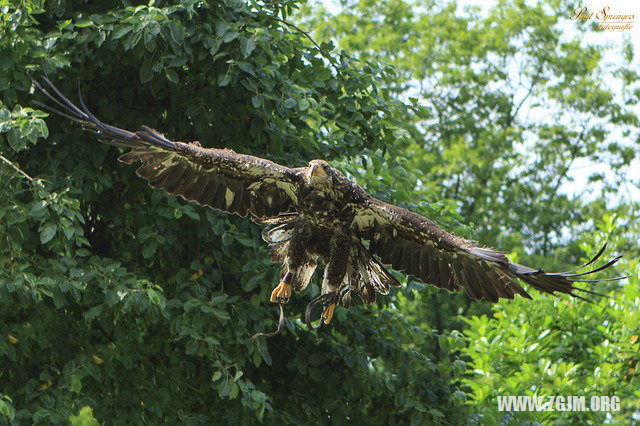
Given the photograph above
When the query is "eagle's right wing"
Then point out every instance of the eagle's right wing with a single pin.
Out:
(417, 246)
(218, 178)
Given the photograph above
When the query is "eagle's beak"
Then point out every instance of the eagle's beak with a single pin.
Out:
(317, 171)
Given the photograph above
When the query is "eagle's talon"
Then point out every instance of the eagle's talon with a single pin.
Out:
(327, 313)
(328, 302)
(281, 293)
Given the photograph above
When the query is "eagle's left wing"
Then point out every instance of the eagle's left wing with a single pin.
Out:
(417, 246)
(218, 178)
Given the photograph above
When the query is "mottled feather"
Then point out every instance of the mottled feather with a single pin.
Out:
(299, 231)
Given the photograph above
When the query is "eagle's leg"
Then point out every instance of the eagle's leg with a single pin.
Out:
(334, 273)
(297, 267)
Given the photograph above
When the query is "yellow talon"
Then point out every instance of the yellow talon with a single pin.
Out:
(281, 293)
(327, 313)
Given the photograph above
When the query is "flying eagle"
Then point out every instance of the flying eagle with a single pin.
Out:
(315, 214)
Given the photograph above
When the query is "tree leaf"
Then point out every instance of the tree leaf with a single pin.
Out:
(248, 45)
(172, 76)
(47, 233)
(83, 23)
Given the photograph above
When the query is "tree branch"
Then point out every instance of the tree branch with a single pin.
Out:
(19, 171)
(306, 34)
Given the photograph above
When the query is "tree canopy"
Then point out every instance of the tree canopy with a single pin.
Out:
(121, 304)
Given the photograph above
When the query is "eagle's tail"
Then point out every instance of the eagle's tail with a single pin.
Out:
(277, 234)
(114, 135)
(279, 229)
(366, 276)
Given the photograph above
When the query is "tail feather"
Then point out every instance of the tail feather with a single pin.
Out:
(366, 276)
(278, 232)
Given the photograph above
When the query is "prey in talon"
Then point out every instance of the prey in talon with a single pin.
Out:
(315, 215)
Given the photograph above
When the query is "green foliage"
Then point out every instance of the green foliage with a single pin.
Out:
(502, 104)
(122, 304)
(559, 347)
(141, 306)
(84, 418)
(22, 125)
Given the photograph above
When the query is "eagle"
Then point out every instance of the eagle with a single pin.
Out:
(315, 214)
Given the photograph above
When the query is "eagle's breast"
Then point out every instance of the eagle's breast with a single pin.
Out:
(326, 209)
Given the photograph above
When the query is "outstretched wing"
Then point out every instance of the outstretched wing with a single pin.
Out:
(218, 178)
(417, 246)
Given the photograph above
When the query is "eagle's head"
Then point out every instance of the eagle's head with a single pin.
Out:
(319, 173)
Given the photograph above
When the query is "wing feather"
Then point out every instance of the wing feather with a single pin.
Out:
(424, 272)
(415, 260)
(218, 178)
(417, 246)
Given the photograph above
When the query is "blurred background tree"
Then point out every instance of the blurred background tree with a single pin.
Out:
(141, 306)
(507, 105)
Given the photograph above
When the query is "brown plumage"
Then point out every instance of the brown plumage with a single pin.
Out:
(316, 214)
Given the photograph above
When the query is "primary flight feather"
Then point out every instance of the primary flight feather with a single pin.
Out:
(316, 214)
